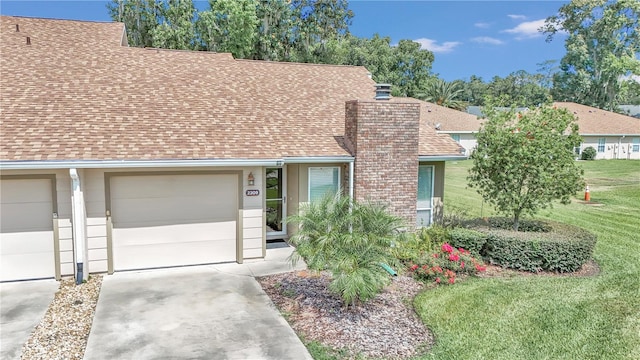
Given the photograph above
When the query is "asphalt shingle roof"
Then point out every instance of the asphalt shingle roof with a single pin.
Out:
(594, 121)
(76, 93)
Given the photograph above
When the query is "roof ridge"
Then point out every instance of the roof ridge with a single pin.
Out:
(58, 19)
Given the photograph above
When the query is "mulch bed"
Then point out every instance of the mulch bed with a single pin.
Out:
(385, 327)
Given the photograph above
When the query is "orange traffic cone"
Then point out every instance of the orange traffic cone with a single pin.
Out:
(587, 194)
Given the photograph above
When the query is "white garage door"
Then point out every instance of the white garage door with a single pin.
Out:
(26, 229)
(173, 220)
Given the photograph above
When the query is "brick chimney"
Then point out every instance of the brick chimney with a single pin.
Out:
(383, 136)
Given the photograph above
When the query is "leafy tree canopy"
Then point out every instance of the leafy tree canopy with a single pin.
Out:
(525, 161)
(602, 47)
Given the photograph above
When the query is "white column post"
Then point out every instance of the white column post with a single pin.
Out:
(79, 223)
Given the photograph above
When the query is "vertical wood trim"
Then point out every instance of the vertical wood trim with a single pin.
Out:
(240, 236)
(264, 231)
(109, 244)
(56, 247)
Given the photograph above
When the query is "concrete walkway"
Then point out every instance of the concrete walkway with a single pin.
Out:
(201, 312)
(22, 306)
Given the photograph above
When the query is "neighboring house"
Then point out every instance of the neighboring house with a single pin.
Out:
(631, 110)
(116, 158)
(613, 135)
(461, 126)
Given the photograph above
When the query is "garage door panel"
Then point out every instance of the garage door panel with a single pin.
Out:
(25, 190)
(172, 220)
(175, 234)
(38, 242)
(144, 212)
(31, 216)
(164, 255)
(27, 266)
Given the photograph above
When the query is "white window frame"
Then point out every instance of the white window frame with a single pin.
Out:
(322, 167)
(430, 208)
(602, 142)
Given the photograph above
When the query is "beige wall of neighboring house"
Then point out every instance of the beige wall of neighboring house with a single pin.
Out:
(466, 139)
(613, 147)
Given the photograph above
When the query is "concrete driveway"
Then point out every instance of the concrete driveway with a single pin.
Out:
(22, 306)
(205, 312)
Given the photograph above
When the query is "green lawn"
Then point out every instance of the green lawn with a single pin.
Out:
(549, 317)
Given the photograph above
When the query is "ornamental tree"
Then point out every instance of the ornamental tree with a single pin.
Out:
(524, 161)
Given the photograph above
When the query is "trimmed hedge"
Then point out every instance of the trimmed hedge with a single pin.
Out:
(524, 225)
(467, 239)
(565, 248)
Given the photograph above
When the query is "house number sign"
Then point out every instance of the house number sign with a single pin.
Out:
(253, 192)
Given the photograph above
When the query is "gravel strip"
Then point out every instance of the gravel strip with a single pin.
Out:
(64, 330)
(385, 327)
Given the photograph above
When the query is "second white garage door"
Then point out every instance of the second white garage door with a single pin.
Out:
(26, 229)
(173, 220)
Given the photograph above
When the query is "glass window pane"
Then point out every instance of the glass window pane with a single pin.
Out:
(323, 181)
(274, 183)
(274, 215)
(424, 218)
(425, 179)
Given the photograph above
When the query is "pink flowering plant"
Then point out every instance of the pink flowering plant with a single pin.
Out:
(445, 265)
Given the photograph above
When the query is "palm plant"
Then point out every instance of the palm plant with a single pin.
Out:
(444, 93)
(350, 240)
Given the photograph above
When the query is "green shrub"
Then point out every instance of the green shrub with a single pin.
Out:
(525, 225)
(349, 239)
(589, 153)
(467, 239)
(453, 217)
(565, 248)
(409, 247)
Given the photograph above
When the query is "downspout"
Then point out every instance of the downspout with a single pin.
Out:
(79, 226)
(351, 192)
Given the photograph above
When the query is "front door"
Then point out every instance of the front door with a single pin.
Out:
(276, 197)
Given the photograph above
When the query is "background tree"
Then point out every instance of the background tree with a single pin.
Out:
(275, 30)
(525, 161)
(474, 90)
(602, 46)
(229, 26)
(175, 28)
(140, 18)
(315, 31)
(447, 94)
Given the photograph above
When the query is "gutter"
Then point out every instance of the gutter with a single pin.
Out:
(318, 159)
(106, 164)
(442, 157)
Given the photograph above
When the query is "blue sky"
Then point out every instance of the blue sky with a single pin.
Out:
(483, 38)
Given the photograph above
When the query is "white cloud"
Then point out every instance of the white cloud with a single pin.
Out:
(482, 25)
(517, 17)
(487, 40)
(432, 45)
(631, 77)
(527, 29)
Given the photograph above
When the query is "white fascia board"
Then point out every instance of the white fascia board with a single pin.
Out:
(318, 159)
(457, 132)
(105, 164)
(442, 157)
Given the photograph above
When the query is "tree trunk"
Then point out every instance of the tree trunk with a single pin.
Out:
(516, 220)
